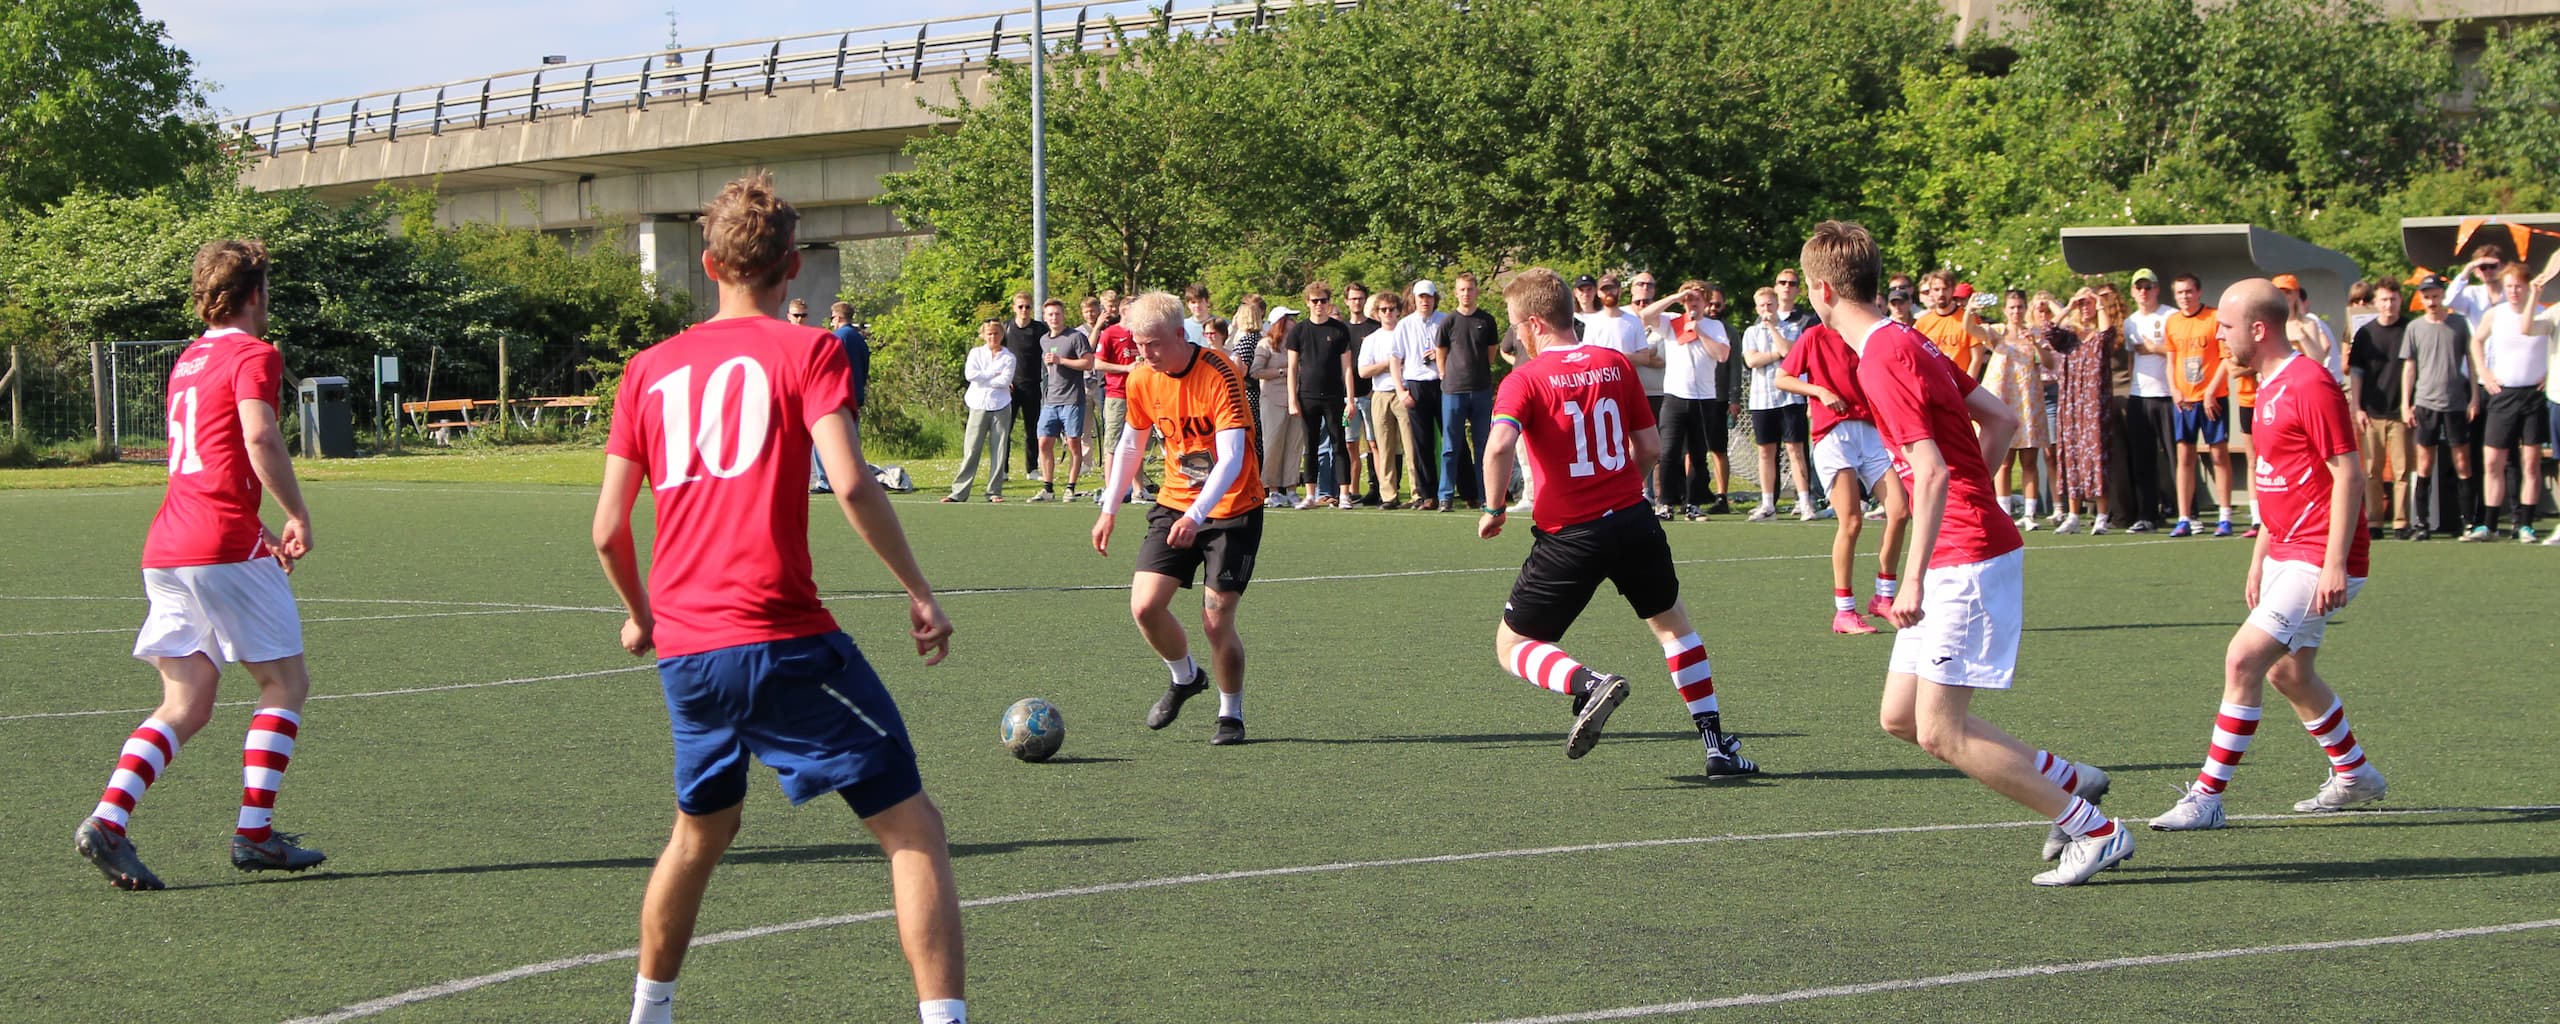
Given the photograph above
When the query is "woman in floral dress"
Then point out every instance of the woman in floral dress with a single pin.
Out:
(2016, 374)
(2092, 350)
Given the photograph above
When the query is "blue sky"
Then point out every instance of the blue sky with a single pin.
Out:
(280, 53)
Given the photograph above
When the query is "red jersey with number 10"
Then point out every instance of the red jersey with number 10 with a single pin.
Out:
(1577, 407)
(2303, 422)
(719, 419)
(210, 515)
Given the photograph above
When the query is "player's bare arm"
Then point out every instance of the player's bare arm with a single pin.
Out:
(866, 506)
(1994, 422)
(619, 555)
(1800, 386)
(274, 468)
(1928, 512)
(2346, 502)
(1501, 452)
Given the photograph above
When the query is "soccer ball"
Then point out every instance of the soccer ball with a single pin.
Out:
(1032, 729)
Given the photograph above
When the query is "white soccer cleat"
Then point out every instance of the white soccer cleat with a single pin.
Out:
(2026, 524)
(2090, 786)
(2099, 528)
(2069, 524)
(2342, 790)
(2195, 811)
(1762, 514)
(2084, 858)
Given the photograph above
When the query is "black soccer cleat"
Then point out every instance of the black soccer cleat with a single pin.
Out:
(1169, 706)
(1604, 695)
(1724, 756)
(1230, 732)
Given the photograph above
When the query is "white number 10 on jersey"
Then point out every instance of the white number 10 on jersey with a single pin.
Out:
(1604, 426)
(723, 456)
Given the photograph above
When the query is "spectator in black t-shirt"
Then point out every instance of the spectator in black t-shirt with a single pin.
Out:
(1467, 343)
(2373, 373)
(1022, 338)
(1320, 375)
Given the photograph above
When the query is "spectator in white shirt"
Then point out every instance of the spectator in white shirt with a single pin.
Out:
(1416, 390)
(1693, 417)
(1390, 426)
(1777, 417)
(990, 396)
(2149, 426)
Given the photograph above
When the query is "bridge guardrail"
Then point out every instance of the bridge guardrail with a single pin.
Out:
(707, 73)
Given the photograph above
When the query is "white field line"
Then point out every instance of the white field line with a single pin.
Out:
(2029, 971)
(329, 618)
(447, 688)
(461, 985)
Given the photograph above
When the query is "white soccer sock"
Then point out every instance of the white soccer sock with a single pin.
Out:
(1804, 500)
(1231, 705)
(1183, 668)
(1769, 500)
(2031, 508)
(1546, 666)
(653, 1002)
(1888, 586)
(943, 1011)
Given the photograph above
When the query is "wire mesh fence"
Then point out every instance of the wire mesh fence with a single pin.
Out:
(137, 389)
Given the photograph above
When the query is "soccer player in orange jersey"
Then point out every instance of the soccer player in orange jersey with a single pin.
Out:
(1208, 513)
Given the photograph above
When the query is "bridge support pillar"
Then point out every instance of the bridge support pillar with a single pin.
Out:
(821, 276)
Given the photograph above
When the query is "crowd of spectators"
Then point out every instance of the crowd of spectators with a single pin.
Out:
(2132, 415)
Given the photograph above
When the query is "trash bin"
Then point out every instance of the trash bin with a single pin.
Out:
(328, 422)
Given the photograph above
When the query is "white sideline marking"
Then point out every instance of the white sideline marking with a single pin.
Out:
(2031, 971)
(461, 985)
(331, 618)
(369, 693)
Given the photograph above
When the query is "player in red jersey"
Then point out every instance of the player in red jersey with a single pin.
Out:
(1590, 437)
(718, 421)
(2308, 563)
(1961, 607)
(216, 577)
(1850, 458)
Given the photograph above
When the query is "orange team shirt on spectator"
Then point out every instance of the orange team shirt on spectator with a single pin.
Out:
(1948, 333)
(1189, 408)
(2194, 354)
(2244, 383)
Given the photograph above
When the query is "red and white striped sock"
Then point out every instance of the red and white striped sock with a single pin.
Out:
(2334, 737)
(2232, 731)
(2057, 770)
(2083, 820)
(1887, 586)
(146, 754)
(1546, 665)
(1842, 600)
(1687, 658)
(262, 762)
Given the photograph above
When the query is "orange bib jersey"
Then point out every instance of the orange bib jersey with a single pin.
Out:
(2195, 354)
(1948, 333)
(1190, 408)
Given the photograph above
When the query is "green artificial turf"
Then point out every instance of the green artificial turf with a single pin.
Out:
(476, 830)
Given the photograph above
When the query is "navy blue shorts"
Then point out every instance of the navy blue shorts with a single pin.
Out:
(809, 708)
(2194, 427)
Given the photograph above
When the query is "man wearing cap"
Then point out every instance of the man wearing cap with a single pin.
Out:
(2438, 403)
(1586, 299)
(2150, 414)
(1902, 304)
(1417, 408)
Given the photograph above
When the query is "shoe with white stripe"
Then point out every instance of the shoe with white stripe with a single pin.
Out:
(1591, 713)
(2084, 858)
(2342, 790)
(2090, 786)
(2195, 811)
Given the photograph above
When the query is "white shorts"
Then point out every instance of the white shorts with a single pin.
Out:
(2284, 603)
(238, 611)
(1971, 615)
(1852, 444)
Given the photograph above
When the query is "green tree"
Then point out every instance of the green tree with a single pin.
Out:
(92, 94)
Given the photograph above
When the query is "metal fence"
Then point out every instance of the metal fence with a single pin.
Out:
(758, 66)
(137, 396)
(49, 404)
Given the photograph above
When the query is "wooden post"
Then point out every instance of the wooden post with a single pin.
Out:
(98, 398)
(17, 396)
(502, 387)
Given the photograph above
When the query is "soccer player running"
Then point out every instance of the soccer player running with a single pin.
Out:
(1961, 606)
(1590, 435)
(750, 660)
(1206, 514)
(1849, 457)
(2308, 563)
(216, 576)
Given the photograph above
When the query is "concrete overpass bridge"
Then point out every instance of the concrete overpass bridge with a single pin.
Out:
(641, 142)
